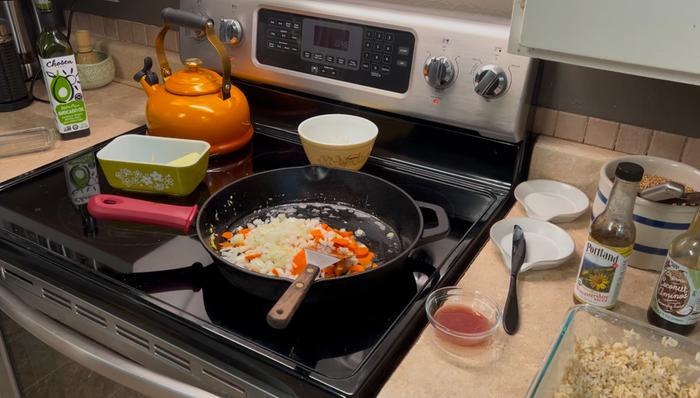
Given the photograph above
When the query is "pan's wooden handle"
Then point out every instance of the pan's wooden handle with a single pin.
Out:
(284, 309)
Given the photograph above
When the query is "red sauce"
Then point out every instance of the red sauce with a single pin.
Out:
(461, 319)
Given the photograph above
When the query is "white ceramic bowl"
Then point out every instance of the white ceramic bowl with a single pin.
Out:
(338, 140)
(546, 245)
(656, 223)
(552, 201)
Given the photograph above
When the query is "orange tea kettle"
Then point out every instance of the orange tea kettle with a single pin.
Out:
(196, 102)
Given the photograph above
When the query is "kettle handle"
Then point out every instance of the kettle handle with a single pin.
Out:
(174, 17)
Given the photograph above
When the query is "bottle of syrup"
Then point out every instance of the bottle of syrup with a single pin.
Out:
(675, 304)
(610, 242)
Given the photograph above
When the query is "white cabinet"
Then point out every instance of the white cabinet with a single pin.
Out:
(659, 39)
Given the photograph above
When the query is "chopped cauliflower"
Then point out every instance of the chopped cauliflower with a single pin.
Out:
(275, 246)
(600, 369)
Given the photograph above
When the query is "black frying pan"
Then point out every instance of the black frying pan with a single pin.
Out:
(391, 219)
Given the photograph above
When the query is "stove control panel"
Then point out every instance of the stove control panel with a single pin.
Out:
(361, 54)
(443, 66)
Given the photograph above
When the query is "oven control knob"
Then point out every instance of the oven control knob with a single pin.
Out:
(230, 31)
(490, 81)
(439, 72)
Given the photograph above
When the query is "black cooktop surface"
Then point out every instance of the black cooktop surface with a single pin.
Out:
(337, 344)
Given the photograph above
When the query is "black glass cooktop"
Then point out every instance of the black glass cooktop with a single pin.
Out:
(343, 348)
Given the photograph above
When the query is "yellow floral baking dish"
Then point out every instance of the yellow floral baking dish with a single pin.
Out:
(160, 165)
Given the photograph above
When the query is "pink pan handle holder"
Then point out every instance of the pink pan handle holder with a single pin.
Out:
(120, 208)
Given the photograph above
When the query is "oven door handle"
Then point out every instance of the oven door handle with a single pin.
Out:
(92, 355)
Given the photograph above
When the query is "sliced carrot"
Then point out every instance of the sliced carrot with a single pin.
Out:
(225, 244)
(298, 262)
(352, 245)
(299, 259)
(361, 251)
(238, 244)
(274, 272)
(366, 260)
(316, 233)
(340, 241)
(251, 256)
(227, 234)
(357, 268)
(329, 271)
(326, 227)
(339, 270)
(244, 231)
(345, 234)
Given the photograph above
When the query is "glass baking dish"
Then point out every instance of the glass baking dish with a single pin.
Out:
(585, 320)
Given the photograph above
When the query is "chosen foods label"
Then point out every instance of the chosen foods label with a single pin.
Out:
(82, 179)
(677, 292)
(65, 94)
(600, 273)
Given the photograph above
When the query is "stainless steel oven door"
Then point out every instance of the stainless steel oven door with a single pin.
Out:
(112, 346)
(71, 357)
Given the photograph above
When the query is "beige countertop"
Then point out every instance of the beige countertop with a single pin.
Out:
(544, 296)
(112, 110)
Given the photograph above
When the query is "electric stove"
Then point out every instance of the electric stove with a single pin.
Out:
(155, 296)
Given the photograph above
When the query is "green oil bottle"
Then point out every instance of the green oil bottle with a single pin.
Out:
(60, 73)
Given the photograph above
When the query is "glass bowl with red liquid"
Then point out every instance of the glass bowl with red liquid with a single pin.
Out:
(461, 317)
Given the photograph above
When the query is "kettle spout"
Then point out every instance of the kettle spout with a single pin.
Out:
(147, 78)
(148, 87)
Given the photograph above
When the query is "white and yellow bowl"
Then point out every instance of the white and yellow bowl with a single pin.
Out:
(160, 165)
(657, 224)
(338, 140)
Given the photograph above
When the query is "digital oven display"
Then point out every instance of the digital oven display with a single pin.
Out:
(331, 38)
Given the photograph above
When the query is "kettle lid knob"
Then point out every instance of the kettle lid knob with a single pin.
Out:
(193, 64)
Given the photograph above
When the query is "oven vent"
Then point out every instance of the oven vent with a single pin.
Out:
(56, 298)
(57, 248)
(42, 240)
(15, 277)
(132, 337)
(91, 315)
(171, 357)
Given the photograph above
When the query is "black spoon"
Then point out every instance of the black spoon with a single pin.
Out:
(510, 312)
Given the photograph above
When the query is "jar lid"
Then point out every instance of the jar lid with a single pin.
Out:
(194, 80)
(629, 171)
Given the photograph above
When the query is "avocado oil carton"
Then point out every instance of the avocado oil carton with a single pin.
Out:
(61, 76)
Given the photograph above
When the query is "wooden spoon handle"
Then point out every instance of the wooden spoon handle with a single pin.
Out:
(285, 307)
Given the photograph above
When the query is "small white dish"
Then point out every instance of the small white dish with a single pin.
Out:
(550, 200)
(546, 245)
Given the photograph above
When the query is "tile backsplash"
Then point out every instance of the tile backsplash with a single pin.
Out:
(616, 136)
(123, 30)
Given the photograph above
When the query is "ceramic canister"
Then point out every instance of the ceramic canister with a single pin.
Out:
(656, 223)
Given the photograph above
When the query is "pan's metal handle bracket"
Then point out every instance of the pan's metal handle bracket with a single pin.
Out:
(441, 230)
